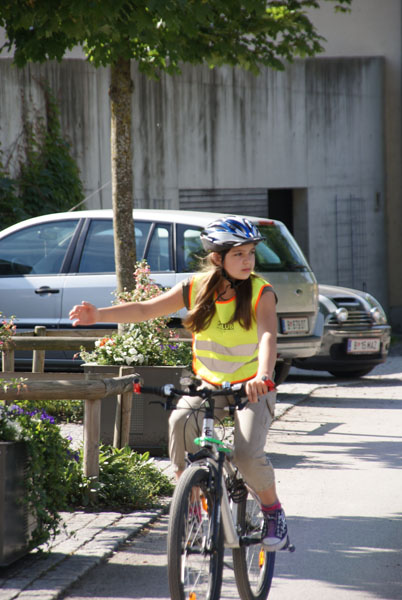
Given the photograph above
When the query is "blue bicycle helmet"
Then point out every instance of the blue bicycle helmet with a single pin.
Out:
(223, 234)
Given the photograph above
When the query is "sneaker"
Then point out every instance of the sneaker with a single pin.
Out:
(274, 530)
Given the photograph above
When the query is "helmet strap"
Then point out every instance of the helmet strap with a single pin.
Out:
(234, 283)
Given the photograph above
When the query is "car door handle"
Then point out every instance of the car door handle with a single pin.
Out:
(45, 289)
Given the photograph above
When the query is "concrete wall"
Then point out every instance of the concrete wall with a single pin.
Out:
(82, 93)
(374, 28)
(316, 126)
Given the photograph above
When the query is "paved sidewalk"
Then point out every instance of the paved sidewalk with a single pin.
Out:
(89, 538)
(86, 539)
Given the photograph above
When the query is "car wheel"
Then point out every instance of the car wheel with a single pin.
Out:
(282, 369)
(351, 374)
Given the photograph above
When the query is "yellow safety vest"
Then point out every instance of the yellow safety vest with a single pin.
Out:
(226, 351)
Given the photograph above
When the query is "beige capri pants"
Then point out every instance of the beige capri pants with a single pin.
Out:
(250, 435)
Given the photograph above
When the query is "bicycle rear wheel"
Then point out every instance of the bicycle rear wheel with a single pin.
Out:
(253, 566)
(194, 568)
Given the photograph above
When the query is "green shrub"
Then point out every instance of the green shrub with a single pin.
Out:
(55, 479)
(127, 481)
(49, 463)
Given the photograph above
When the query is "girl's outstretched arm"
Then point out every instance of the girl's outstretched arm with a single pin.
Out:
(129, 312)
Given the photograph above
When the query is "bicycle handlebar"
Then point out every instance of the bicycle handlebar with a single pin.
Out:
(169, 392)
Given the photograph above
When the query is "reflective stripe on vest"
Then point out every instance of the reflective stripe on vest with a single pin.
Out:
(226, 351)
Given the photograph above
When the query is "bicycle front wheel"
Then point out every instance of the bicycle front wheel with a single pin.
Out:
(195, 551)
(253, 566)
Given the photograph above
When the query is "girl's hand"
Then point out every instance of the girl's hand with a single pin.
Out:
(258, 387)
(84, 314)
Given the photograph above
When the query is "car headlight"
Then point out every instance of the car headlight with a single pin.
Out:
(378, 315)
(376, 311)
(341, 315)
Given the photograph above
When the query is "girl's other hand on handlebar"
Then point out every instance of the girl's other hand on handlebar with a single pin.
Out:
(256, 387)
(84, 314)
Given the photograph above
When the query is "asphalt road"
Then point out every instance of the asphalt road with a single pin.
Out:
(338, 458)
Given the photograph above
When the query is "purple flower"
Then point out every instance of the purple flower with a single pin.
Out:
(45, 417)
(18, 410)
(73, 455)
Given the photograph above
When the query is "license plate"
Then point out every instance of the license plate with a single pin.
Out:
(294, 325)
(364, 346)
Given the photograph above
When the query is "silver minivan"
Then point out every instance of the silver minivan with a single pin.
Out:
(49, 263)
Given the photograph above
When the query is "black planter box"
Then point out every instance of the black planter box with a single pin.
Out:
(16, 525)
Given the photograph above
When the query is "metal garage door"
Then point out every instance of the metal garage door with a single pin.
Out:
(253, 201)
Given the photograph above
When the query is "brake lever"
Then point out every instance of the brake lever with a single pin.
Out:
(269, 383)
(167, 405)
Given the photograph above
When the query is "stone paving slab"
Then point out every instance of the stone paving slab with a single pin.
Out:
(86, 539)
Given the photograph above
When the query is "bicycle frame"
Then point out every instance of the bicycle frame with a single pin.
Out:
(228, 510)
(219, 458)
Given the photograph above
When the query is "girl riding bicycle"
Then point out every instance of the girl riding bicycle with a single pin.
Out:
(232, 316)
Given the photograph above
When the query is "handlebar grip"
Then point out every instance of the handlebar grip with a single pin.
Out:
(148, 389)
(165, 391)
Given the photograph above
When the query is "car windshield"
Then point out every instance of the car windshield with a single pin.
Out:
(278, 252)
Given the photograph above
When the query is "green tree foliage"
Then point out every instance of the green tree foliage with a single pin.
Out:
(48, 178)
(159, 35)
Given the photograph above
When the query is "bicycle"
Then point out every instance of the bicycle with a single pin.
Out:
(212, 508)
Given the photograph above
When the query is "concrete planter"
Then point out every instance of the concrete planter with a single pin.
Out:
(149, 422)
(16, 524)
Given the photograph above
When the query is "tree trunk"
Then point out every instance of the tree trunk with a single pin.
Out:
(120, 92)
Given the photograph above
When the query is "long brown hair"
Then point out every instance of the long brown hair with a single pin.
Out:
(200, 316)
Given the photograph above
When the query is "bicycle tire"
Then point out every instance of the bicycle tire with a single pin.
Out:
(194, 572)
(253, 565)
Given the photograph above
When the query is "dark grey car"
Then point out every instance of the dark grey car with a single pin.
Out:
(356, 334)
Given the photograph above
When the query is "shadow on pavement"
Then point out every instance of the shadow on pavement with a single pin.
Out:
(349, 553)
